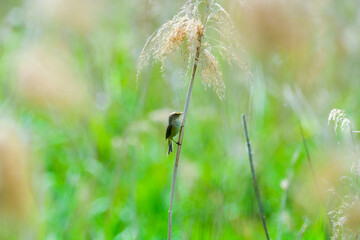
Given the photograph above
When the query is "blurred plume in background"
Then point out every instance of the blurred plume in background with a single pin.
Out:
(16, 193)
(46, 77)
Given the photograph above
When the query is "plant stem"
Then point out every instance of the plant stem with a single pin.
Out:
(314, 175)
(181, 133)
(355, 160)
(289, 177)
(303, 228)
(254, 178)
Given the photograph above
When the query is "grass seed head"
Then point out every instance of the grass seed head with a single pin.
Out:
(340, 118)
(186, 32)
(15, 190)
(46, 79)
(181, 31)
(211, 75)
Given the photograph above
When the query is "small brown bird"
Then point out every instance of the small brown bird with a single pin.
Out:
(173, 129)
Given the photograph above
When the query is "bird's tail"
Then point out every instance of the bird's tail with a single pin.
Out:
(170, 149)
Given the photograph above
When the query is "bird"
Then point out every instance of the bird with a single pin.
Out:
(173, 129)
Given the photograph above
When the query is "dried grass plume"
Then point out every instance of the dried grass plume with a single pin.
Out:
(184, 32)
(340, 118)
(47, 79)
(16, 196)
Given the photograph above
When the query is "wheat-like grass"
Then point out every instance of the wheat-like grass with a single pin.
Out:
(211, 75)
(182, 33)
(340, 118)
(346, 217)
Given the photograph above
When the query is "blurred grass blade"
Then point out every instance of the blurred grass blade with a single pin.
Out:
(314, 175)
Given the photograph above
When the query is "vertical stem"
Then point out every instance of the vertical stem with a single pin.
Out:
(356, 162)
(181, 134)
(303, 228)
(290, 175)
(186, 108)
(254, 178)
(314, 175)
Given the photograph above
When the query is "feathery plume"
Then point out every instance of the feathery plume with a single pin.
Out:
(340, 118)
(183, 32)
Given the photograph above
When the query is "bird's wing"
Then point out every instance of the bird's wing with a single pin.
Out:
(168, 132)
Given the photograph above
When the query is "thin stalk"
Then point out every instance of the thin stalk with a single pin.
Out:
(303, 228)
(355, 160)
(254, 178)
(181, 133)
(314, 175)
(289, 177)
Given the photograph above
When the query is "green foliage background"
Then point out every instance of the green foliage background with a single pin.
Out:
(104, 174)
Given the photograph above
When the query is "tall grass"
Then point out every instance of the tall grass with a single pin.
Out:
(346, 216)
(187, 30)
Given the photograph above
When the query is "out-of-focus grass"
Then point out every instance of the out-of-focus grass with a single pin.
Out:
(100, 171)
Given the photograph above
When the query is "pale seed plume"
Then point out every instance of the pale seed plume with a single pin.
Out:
(182, 33)
(346, 216)
(340, 118)
(47, 80)
(16, 196)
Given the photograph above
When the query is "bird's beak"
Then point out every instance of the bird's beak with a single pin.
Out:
(181, 113)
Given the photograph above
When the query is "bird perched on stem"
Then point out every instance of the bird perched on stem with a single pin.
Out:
(173, 129)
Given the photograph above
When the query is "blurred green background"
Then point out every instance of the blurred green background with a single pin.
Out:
(82, 143)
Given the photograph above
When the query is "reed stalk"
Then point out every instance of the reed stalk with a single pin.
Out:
(254, 178)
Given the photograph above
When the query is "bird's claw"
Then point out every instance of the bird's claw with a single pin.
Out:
(176, 142)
